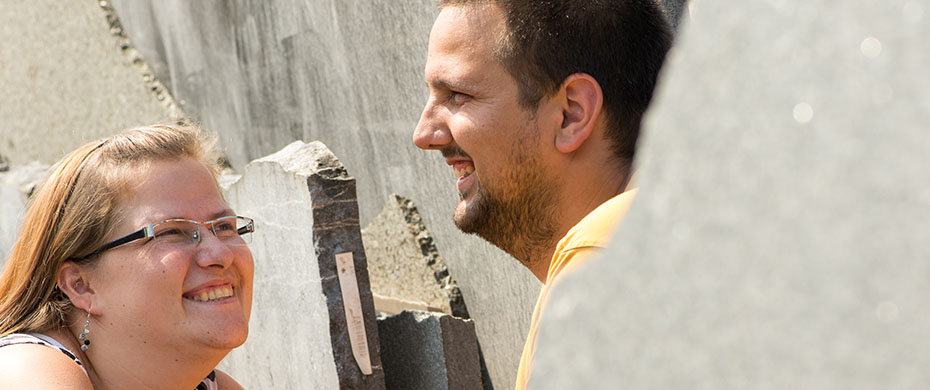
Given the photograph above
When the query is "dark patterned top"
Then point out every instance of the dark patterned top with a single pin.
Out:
(209, 383)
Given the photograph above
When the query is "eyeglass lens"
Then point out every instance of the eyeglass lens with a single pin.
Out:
(231, 230)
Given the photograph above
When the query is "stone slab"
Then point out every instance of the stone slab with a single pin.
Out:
(677, 11)
(403, 261)
(303, 202)
(66, 80)
(429, 351)
(779, 238)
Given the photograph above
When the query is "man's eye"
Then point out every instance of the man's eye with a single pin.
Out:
(458, 98)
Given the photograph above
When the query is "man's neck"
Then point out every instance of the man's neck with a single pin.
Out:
(580, 198)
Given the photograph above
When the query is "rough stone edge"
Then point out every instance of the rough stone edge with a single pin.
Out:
(410, 319)
(456, 332)
(441, 272)
(152, 84)
(431, 253)
(336, 230)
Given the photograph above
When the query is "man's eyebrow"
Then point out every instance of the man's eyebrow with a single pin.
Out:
(451, 84)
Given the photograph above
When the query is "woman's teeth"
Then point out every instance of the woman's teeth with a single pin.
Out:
(214, 294)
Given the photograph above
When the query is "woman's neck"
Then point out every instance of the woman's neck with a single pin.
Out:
(114, 362)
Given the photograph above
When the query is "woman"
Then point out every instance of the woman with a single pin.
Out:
(130, 271)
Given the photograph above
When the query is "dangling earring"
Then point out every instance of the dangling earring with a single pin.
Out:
(83, 337)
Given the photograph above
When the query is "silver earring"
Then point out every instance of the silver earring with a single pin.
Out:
(83, 337)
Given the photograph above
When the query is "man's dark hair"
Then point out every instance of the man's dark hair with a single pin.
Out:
(621, 43)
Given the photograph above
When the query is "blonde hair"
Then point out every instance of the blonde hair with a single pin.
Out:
(75, 209)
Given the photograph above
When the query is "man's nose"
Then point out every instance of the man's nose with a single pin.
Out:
(432, 132)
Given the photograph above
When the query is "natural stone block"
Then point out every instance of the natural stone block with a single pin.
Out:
(429, 351)
(304, 205)
(676, 10)
(404, 264)
(779, 236)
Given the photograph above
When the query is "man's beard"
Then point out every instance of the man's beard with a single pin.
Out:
(518, 215)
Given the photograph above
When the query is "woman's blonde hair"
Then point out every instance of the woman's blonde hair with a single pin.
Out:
(73, 212)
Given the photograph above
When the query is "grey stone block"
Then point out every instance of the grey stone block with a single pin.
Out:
(16, 186)
(677, 10)
(305, 209)
(67, 80)
(403, 261)
(428, 351)
(779, 238)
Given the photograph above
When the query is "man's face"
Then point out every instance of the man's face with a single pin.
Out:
(494, 145)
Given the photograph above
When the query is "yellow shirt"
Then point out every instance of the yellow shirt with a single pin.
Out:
(582, 241)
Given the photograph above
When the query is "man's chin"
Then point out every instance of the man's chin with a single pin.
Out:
(465, 221)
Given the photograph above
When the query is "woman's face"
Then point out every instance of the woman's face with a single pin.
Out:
(153, 292)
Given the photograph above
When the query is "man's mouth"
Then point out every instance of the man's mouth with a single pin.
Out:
(463, 168)
(217, 293)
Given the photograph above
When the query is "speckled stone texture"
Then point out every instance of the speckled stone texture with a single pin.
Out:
(429, 351)
(403, 261)
(303, 202)
(779, 238)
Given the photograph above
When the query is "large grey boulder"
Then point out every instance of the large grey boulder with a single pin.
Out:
(306, 329)
(779, 238)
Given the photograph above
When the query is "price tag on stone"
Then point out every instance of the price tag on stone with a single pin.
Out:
(352, 303)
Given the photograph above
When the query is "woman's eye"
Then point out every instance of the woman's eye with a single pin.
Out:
(168, 232)
(224, 226)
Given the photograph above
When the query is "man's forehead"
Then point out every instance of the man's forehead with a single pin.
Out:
(461, 47)
(476, 24)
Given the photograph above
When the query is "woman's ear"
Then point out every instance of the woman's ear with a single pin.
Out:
(73, 281)
(581, 103)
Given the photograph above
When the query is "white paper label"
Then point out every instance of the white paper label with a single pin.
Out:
(355, 321)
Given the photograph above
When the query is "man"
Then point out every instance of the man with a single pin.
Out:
(536, 105)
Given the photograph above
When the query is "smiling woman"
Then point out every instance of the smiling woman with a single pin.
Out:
(130, 271)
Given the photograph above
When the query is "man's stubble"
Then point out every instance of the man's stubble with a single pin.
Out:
(519, 212)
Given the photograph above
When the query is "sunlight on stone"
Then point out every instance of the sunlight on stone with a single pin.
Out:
(887, 312)
(871, 47)
(803, 112)
(913, 12)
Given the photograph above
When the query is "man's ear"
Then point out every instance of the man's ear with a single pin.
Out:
(581, 101)
(73, 281)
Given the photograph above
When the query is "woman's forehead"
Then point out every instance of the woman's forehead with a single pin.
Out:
(182, 188)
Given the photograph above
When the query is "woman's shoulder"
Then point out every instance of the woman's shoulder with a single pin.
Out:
(37, 366)
(226, 382)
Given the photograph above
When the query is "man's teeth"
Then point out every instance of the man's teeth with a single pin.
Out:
(460, 173)
(214, 294)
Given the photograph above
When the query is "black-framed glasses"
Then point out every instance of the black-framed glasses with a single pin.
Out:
(232, 230)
